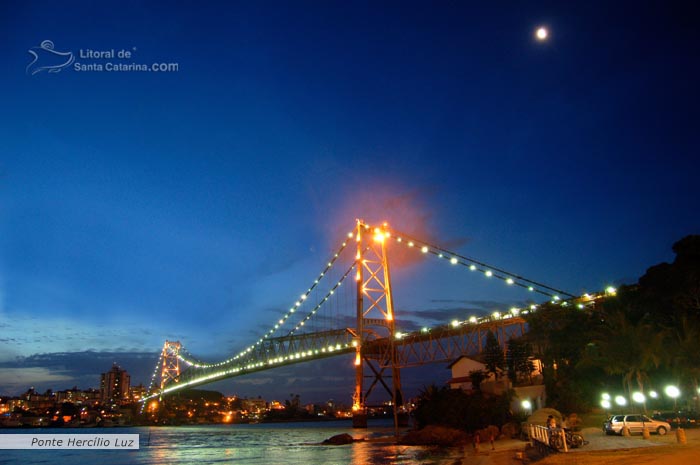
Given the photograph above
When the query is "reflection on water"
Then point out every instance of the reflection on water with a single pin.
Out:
(263, 444)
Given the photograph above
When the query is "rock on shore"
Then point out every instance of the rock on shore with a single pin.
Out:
(339, 440)
(435, 435)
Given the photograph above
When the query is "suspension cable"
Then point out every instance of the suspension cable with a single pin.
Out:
(486, 269)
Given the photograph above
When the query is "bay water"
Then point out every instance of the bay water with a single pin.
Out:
(258, 444)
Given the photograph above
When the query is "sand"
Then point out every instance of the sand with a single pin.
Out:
(601, 450)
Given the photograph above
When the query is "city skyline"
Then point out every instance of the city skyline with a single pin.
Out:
(197, 203)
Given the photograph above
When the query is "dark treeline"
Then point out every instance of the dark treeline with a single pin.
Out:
(644, 338)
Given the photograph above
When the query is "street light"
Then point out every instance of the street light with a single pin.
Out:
(673, 392)
(640, 398)
(621, 401)
(527, 406)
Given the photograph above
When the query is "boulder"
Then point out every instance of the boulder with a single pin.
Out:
(434, 435)
(339, 440)
(510, 430)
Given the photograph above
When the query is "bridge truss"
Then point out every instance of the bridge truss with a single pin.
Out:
(372, 338)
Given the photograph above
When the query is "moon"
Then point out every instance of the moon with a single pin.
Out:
(542, 33)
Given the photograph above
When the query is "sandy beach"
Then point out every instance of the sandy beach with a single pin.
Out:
(600, 450)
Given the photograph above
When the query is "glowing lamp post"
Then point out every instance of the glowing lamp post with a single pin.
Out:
(673, 392)
(621, 401)
(527, 406)
(640, 398)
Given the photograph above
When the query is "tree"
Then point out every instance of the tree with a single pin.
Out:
(493, 355)
(628, 349)
(648, 330)
(476, 377)
(668, 298)
(457, 409)
(558, 335)
(684, 354)
(518, 360)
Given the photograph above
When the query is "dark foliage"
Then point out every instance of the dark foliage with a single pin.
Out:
(636, 339)
(457, 409)
(518, 362)
(493, 355)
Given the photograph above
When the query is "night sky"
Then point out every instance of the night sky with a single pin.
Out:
(198, 204)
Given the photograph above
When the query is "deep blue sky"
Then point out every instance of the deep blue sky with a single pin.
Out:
(197, 205)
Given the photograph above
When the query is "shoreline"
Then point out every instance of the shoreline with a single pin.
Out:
(601, 450)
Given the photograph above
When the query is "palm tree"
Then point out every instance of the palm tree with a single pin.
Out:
(628, 349)
(683, 347)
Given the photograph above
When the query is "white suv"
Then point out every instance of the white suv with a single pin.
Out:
(635, 423)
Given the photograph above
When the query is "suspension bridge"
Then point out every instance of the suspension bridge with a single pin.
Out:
(349, 310)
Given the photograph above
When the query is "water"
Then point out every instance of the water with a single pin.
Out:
(261, 444)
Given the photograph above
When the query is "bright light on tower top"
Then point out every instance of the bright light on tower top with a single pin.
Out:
(542, 33)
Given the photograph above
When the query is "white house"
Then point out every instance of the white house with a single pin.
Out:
(461, 369)
(463, 366)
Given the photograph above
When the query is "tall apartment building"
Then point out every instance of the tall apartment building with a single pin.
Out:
(114, 385)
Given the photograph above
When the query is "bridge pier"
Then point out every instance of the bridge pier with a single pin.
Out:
(359, 420)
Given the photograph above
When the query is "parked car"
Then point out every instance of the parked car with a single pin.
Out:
(682, 418)
(635, 422)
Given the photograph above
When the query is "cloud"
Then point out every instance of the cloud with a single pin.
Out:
(439, 314)
(254, 381)
(62, 370)
(25, 335)
(16, 380)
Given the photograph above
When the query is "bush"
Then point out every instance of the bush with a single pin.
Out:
(456, 409)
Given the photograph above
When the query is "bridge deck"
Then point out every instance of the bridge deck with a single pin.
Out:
(440, 344)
